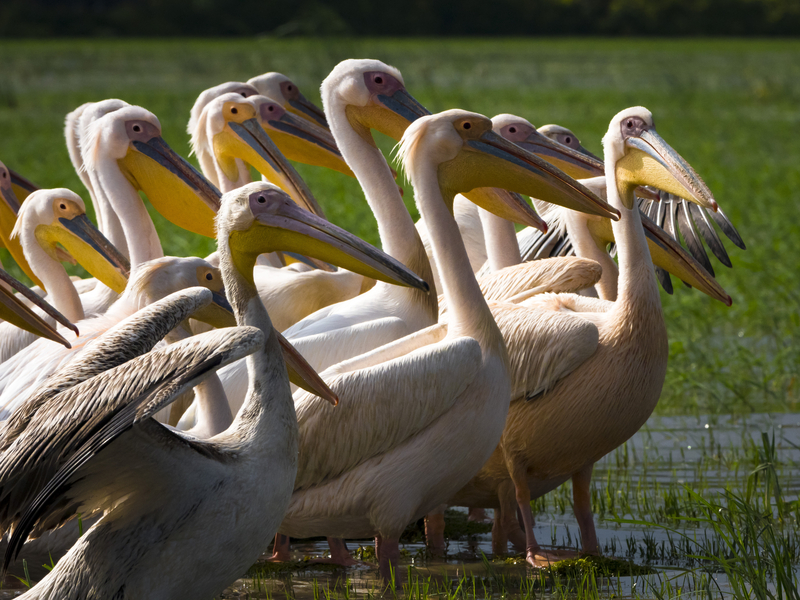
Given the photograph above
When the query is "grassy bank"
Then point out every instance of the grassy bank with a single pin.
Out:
(731, 108)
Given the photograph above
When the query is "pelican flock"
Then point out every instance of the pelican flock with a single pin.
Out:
(299, 381)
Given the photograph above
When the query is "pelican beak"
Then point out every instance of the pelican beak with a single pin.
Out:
(83, 241)
(391, 114)
(248, 141)
(9, 208)
(301, 140)
(281, 225)
(509, 205)
(218, 313)
(303, 107)
(574, 163)
(651, 161)
(22, 187)
(667, 254)
(16, 312)
(174, 187)
(493, 161)
(303, 374)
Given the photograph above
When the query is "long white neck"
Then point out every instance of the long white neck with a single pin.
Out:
(108, 222)
(124, 201)
(267, 415)
(469, 313)
(637, 289)
(208, 164)
(502, 249)
(61, 292)
(399, 237)
(586, 247)
(226, 185)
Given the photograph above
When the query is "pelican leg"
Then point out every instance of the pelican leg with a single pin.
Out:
(340, 555)
(499, 537)
(434, 530)
(388, 552)
(535, 556)
(478, 515)
(281, 551)
(582, 502)
(510, 524)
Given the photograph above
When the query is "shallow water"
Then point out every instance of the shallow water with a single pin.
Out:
(708, 454)
(633, 483)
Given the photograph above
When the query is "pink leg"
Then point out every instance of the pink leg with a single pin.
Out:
(499, 537)
(388, 556)
(282, 551)
(478, 515)
(506, 494)
(434, 530)
(582, 502)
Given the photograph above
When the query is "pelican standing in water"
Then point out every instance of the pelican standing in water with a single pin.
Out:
(558, 428)
(450, 379)
(172, 493)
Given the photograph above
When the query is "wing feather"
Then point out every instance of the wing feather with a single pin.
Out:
(73, 426)
(380, 406)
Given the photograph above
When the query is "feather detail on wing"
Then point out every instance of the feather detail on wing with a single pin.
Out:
(543, 345)
(72, 427)
(380, 406)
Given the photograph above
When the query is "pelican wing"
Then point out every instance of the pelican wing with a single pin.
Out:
(130, 338)
(544, 345)
(40, 481)
(381, 406)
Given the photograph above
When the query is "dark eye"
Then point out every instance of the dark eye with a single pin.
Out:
(234, 111)
(136, 128)
(243, 94)
(5, 174)
(629, 124)
(467, 125)
(209, 276)
(568, 140)
(379, 80)
(62, 206)
(512, 130)
(271, 108)
(289, 87)
(261, 200)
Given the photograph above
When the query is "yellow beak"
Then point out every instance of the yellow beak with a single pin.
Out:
(89, 247)
(9, 208)
(172, 185)
(303, 374)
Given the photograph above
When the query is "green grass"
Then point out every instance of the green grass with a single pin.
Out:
(730, 107)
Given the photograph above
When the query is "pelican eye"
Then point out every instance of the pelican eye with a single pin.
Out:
(289, 87)
(261, 200)
(234, 111)
(512, 129)
(271, 108)
(209, 276)
(629, 123)
(379, 80)
(569, 140)
(5, 174)
(62, 206)
(467, 125)
(136, 128)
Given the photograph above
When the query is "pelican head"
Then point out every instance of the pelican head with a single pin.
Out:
(157, 279)
(639, 156)
(573, 162)
(280, 88)
(58, 216)
(21, 186)
(373, 96)
(470, 155)
(16, 312)
(261, 218)
(132, 136)
(235, 128)
(565, 137)
(245, 90)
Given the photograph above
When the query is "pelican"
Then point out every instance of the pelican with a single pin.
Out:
(560, 424)
(281, 89)
(444, 375)
(149, 282)
(48, 218)
(9, 208)
(172, 491)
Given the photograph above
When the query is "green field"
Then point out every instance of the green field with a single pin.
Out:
(731, 108)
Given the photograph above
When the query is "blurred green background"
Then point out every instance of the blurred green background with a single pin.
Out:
(730, 107)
